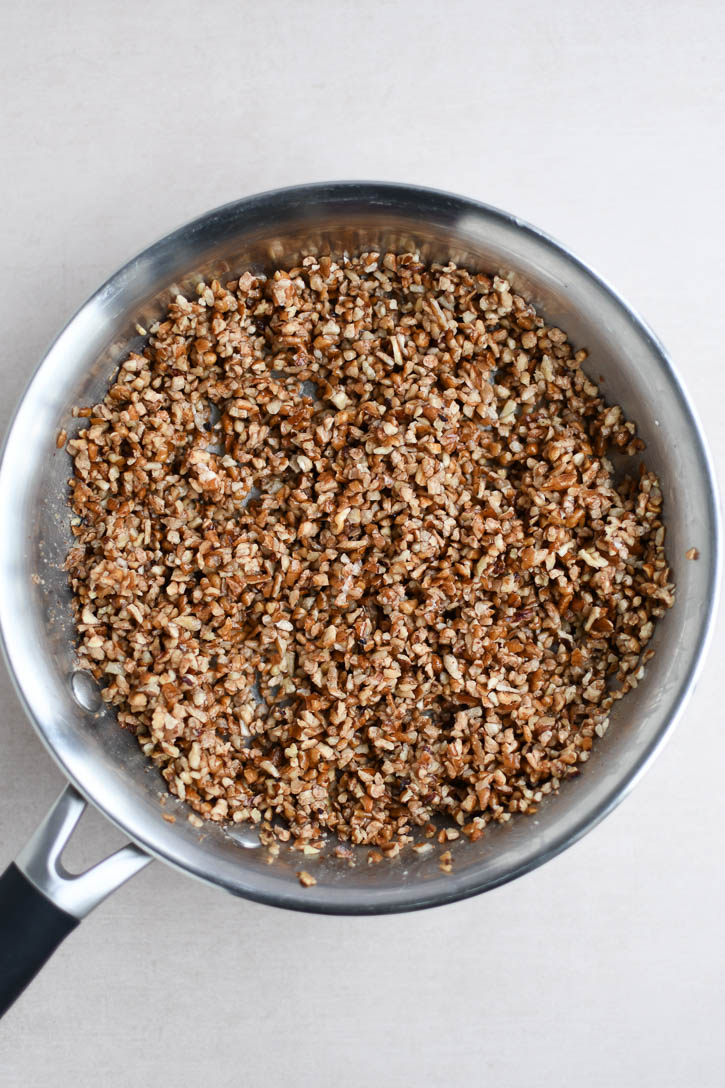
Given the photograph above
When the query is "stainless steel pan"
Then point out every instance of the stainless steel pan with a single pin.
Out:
(105, 766)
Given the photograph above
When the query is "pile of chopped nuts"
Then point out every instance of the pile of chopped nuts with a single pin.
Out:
(351, 556)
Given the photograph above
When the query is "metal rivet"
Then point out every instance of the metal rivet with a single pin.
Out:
(85, 691)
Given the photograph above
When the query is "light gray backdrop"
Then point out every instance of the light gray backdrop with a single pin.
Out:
(604, 127)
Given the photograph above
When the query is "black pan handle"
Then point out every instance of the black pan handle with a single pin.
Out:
(31, 928)
(41, 902)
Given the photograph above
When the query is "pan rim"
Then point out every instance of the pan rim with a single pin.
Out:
(448, 888)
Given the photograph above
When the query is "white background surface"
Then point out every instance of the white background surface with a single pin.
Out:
(604, 127)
